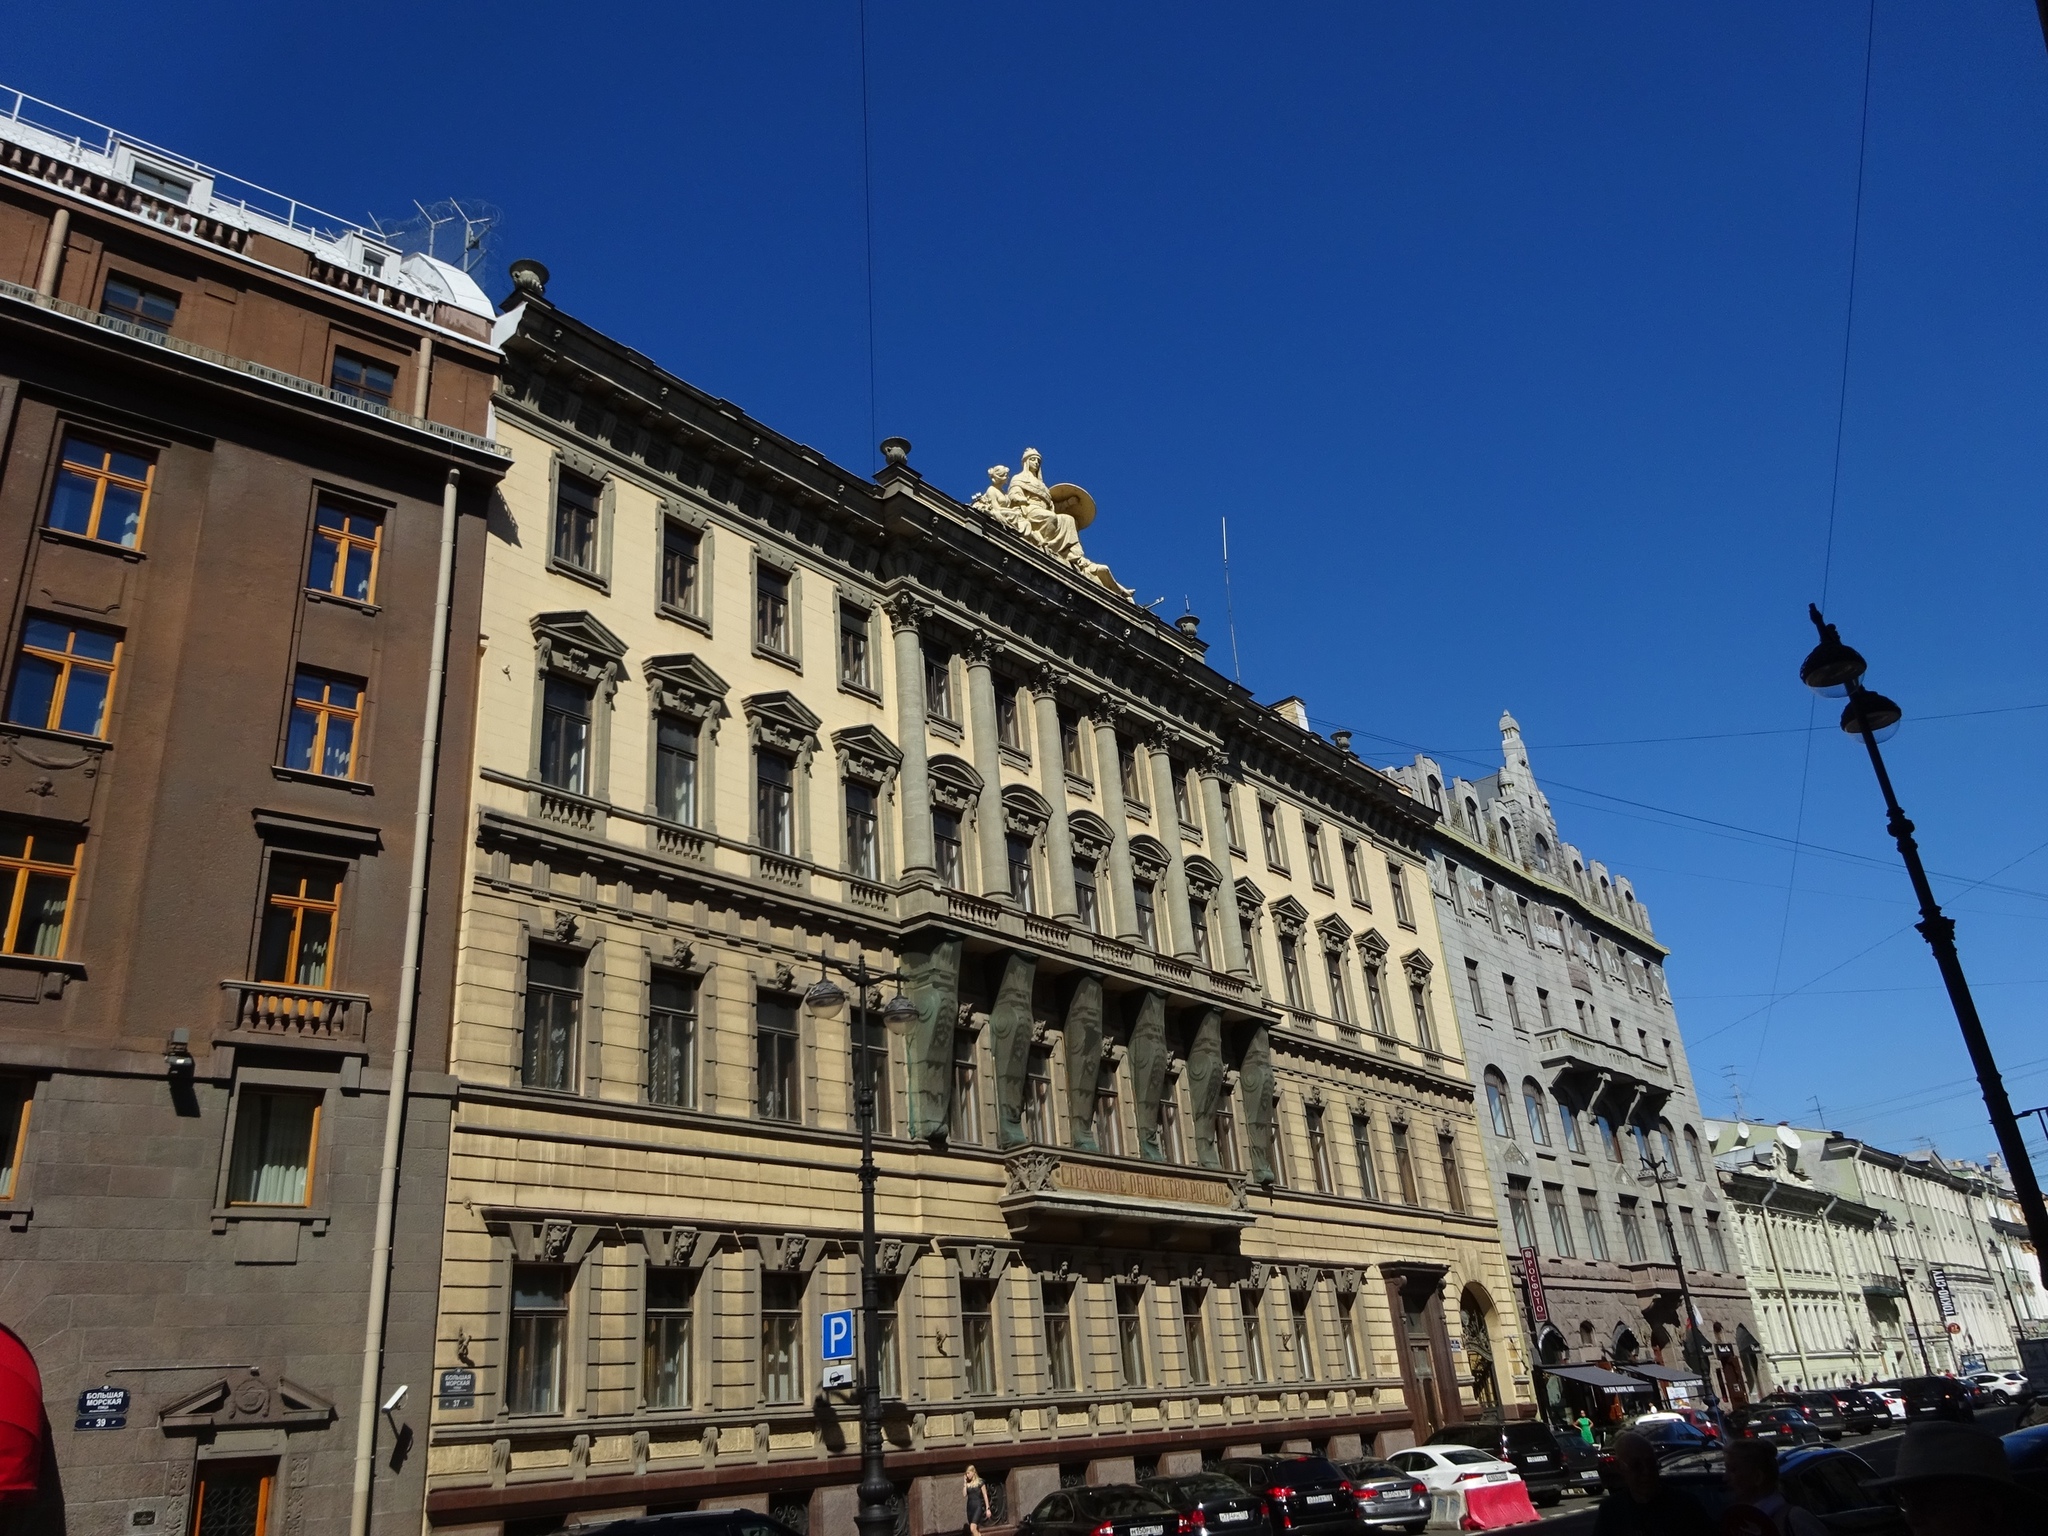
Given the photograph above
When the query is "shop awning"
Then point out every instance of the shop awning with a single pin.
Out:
(1597, 1377)
(1661, 1373)
(21, 1421)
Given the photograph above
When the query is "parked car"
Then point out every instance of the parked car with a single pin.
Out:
(1114, 1509)
(1581, 1463)
(1893, 1398)
(1829, 1483)
(1672, 1436)
(1692, 1416)
(1861, 1409)
(1211, 1502)
(1529, 1446)
(700, 1522)
(1388, 1498)
(1935, 1397)
(1826, 1415)
(1302, 1493)
(1442, 1468)
(1774, 1423)
(2006, 1386)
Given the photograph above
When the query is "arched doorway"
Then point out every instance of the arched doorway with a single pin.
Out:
(1475, 1307)
(1627, 1348)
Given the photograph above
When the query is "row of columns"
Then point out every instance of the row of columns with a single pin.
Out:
(907, 616)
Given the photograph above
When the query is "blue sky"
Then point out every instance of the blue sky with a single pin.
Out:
(1508, 339)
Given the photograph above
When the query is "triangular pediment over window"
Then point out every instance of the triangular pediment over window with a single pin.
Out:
(247, 1400)
(1334, 930)
(581, 630)
(682, 684)
(783, 720)
(869, 750)
(1289, 915)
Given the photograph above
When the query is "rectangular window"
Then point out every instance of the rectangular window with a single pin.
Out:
(1183, 804)
(1304, 1335)
(1127, 768)
(1109, 1121)
(1130, 1336)
(1319, 1151)
(1318, 870)
(554, 1008)
(862, 827)
(672, 1040)
(326, 712)
(1632, 1230)
(1148, 918)
(1198, 923)
(1171, 1141)
(873, 1054)
(363, 378)
(964, 1122)
(1009, 720)
(159, 184)
(1716, 1244)
(1397, 879)
(1368, 1165)
(1354, 877)
(771, 610)
(565, 735)
(1596, 1229)
(1249, 1302)
(670, 1333)
(938, 687)
(774, 777)
(346, 545)
(855, 667)
(681, 560)
(235, 1498)
(1404, 1167)
(775, 1058)
(64, 677)
(1333, 968)
(1376, 999)
(1454, 1176)
(540, 1327)
(946, 849)
(1543, 1007)
(151, 308)
(1507, 987)
(1194, 1335)
(1277, 1146)
(1692, 1239)
(277, 1137)
(301, 909)
(1038, 1114)
(1018, 850)
(1059, 1339)
(1472, 985)
(1519, 1214)
(978, 1336)
(1269, 832)
(888, 1346)
(1085, 896)
(101, 491)
(1560, 1221)
(1226, 1138)
(675, 770)
(1347, 1330)
(15, 1095)
(37, 866)
(1425, 1021)
(1071, 751)
(1290, 970)
(1230, 827)
(782, 1338)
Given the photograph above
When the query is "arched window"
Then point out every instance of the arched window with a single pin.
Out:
(1472, 817)
(1497, 1105)
(1436, 795)
(1507, 838)
(1668, 1145)
(1692, 1152)
(1542, 853)
(1568, 1123)
(1607, 1137)
(1642, 1138)
(1532, 1106)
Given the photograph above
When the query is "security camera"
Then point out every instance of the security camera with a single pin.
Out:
(391, 1403)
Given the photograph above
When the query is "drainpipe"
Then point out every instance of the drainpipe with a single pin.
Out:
(1784, 1291)
(53, 253)
(1827, 1231)
(401, 1044)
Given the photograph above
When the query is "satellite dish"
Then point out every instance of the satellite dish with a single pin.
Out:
(1073, 501)
(1790, 1137)
(1741, 1132)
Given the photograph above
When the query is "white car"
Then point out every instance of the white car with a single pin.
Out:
(1442, 1468)
(1894, 1399)
(2005, 1386)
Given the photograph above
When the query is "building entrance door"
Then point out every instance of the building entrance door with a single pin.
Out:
(1423, 1403)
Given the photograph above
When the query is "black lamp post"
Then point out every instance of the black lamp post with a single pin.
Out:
(1890, 1229)
(1834, 669)
(826, 1000)
(1662, 1173)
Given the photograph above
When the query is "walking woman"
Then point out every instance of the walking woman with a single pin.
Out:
(977, 1502)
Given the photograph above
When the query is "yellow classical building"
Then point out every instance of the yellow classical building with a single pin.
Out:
(1176, 1138)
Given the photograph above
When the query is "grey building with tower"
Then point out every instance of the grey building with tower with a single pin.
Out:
(1569, 1025)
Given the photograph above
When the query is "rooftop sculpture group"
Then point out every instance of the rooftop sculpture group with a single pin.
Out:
(1051, 517)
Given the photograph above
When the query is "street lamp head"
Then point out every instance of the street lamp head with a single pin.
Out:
(1831, 666)
(898, 1014)
(1872, 713)
(826, 1000)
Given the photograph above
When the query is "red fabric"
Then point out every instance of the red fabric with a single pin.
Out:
(1490, 1506)
(21, 1420)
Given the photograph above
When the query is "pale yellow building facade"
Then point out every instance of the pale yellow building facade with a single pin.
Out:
(1178, 1154)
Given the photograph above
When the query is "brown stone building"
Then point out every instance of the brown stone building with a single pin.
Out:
(230, 425)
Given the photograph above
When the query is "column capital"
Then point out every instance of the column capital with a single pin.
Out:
(1210, 762)
(906, 610)
(1161, 737)
(978, 647)
(1116, 714)
(1045, 680)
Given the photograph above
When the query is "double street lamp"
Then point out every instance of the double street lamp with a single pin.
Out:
(825, 1001)
(1890, 1229)
(1663, 1173)
(1834, 669)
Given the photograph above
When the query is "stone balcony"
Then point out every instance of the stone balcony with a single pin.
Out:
(1061, 1195)
(271, 1013)
(1568, 1054)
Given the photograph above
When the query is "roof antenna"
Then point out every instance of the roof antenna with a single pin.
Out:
(1229, 609)
(1735, 1090)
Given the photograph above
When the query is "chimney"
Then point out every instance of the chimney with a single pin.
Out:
(1294, 711)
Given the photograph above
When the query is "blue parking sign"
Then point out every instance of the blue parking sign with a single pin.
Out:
(838, 1335)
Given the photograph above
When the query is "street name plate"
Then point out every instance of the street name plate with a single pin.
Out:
(102, 1408)
(457, 1389)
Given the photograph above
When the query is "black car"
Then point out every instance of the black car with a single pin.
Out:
(1120, 1509)
(1301, 1492)
(1581, 1462)
(2026, 1451)
(1219, 1505)
(1388, 1498)
(1861, 1410)
(1773, 1423)
(1529, 1445)
(1674, 1437)
(701, 1522)
(1825, 1413)
(1827, 1482)
(1935, 1397)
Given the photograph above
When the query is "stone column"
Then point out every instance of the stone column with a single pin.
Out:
(1059, 842)
(1178, 911)
(1123, 906)
(1218, 832)
(914, 780)
(979, 651)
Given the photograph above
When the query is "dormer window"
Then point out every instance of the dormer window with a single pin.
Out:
(172, 189)
(373, 263)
